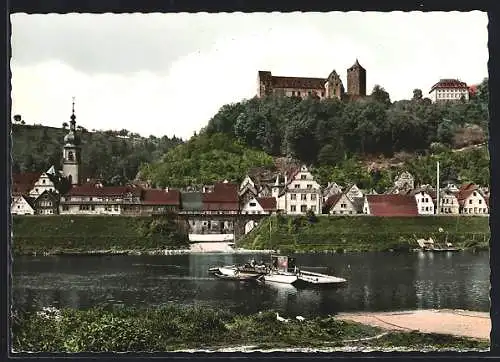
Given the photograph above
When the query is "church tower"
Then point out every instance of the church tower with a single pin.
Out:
(72, 152)
(356, 80)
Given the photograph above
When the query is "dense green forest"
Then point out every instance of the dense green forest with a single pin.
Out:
(336, 137)
(115, 156)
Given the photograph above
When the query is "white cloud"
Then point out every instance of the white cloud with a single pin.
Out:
(401, 51)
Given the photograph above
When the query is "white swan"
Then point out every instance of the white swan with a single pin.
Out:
(300, 318)
(281, 319)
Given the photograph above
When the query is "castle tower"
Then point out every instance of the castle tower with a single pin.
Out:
(264, 83)
(356, 80)
(72, 152)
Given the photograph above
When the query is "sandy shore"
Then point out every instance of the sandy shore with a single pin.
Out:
(445, 321)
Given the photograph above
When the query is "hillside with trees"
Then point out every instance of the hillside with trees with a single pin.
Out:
(113, 156)
(366, 141)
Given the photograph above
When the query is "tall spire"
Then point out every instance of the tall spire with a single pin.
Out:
(73, 117)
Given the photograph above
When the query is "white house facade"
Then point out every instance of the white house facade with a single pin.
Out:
(342, 205)
(301, 193)
(473, 203)
(425, 205)
(449, 90)
(448, 203)
(21, 206)
(354, 192)
(44, 183)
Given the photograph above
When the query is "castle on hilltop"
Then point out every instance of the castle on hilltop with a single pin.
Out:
(330, 87)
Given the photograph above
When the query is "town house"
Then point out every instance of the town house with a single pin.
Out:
(260, 205)
(425, 204)
(471, 201)
(340, 204)
(448, 203)
(300, 193)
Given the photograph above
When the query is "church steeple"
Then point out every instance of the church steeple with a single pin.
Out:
(73, 117)
(71, 151)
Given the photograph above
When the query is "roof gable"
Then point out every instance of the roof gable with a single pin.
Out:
(267, 203)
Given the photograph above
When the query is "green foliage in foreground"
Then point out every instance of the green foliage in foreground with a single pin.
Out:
(172, 328)
(365, 233)
(68, 233)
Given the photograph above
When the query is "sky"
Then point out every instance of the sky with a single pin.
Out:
(168, 74)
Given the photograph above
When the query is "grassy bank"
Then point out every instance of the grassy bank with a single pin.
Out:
(365, 233)
(173, 328)
(76, 234)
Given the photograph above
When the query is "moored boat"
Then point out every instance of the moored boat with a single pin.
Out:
(319, 279)
(283, 277)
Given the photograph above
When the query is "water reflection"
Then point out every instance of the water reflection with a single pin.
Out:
(376, 281)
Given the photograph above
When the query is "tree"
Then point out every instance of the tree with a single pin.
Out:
(380, 95)
(417, 95)
(65, 125)
(17, 118)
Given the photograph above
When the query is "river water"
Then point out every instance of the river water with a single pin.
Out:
(376, 282)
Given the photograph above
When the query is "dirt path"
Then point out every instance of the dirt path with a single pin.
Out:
(444, 321)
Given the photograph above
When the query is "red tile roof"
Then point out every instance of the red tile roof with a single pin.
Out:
(392, 205)
(161, 197)
(449, 83)
(468, 186)
(22, 183)
(331, 201)
(224, 197)
(267, 203)
(462, 195)
(300, 83)
(89, 190)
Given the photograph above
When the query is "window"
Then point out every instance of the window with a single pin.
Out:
(475, 210)
(309, 93)
(470, 201)
(322, 94)
(309, 186)
(313, 197)
(36, 190)
(252, 204)
(343, 206)
(313, 208)
(43, 181)
(297, 186)
(298, 93)
(117, 208)
(423, 208)
(427, 208)
(479, 201)
(18, 206)
(293, 208)
(65, 208)
(92, 207)
(474, 193)
(303, 177)
(71, 157)
(293, 93)
(303, 197)
(293, 197)
(303, 208)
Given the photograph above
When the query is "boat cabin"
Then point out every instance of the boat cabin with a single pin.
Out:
(283, 263)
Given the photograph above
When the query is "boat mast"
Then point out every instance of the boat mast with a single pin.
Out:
(437, 189)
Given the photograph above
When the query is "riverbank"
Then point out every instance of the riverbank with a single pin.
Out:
(296, 234)
(76, 234)
(174, 328)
